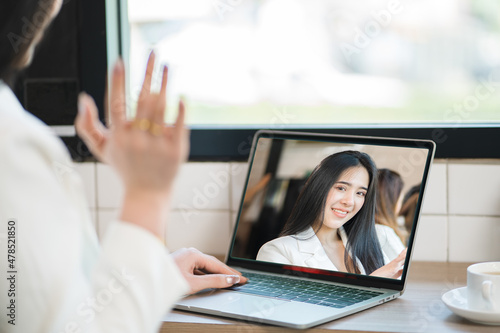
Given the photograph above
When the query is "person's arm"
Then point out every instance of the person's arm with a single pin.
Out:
(390, 242)
(145, 152)
(394, 253)
(63, 281)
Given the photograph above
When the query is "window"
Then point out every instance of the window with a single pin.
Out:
(377, 67)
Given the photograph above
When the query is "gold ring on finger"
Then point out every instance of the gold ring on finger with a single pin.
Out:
(142, 124)
(156, 129)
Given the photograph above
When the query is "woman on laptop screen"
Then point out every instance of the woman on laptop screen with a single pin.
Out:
(332, 224)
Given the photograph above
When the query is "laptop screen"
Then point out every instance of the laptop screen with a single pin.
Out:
(331, 206)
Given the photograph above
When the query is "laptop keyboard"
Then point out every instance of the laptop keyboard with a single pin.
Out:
(303, 291)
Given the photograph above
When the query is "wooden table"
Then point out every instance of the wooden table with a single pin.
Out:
(420, 309)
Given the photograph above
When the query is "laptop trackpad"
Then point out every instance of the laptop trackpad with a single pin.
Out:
(231, 302)
(258, 309)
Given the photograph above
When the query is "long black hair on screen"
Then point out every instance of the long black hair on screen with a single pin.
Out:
(308, 210)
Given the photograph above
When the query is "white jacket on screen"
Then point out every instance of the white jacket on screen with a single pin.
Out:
(306, 250)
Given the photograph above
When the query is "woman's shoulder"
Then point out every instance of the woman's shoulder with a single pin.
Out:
(383, 229)
(389, 241)
(283, 241)
(12, 112)
(287, 244)
(275, 250)
(293, 239)
(20, 128)
(386, 234)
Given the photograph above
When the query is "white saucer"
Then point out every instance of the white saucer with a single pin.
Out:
(456, 301)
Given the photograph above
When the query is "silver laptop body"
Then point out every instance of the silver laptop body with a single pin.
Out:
(287, 156)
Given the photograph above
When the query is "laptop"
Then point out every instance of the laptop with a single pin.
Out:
(295, 279)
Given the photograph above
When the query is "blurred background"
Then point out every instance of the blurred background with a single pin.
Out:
(317, 62)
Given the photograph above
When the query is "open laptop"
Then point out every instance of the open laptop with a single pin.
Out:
(280, 291)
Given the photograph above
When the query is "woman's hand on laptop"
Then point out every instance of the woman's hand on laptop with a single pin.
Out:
(202, 271)
(394, 269)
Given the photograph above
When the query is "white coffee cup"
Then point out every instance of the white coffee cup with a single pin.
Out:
(483, 287)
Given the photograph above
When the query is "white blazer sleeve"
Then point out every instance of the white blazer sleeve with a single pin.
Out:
(135, 268)
(389, 242)
(273, 251)
(64, 282)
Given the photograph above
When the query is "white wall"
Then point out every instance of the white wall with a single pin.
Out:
(460, 221)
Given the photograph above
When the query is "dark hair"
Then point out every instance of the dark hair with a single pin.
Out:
(389, 189)
(20, 22)
(409, 206)
(309, 208)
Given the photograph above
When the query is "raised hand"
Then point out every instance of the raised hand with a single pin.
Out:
(394, 269)
(145, 152)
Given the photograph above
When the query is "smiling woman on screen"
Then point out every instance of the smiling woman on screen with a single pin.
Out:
(332, 224)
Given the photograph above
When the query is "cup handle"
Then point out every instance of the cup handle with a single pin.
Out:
(487, 291)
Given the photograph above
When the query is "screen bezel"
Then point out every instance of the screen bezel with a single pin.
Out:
(333, 276)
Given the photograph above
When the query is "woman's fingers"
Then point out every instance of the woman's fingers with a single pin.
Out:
(117, 95)
(203, 271)
(397, 275)
(200, 282)
(398, 264)
(402, 255)
(394, 269)
(148, 77)
(89, 127)
(161, 100)
(179, 122)
(147, 103)
(181, 132)
(212, 265)
(399, 261)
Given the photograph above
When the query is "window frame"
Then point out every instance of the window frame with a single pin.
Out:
(452, 142)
